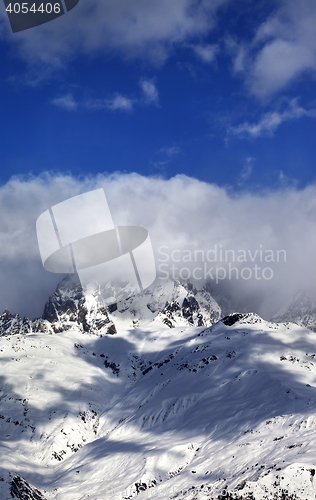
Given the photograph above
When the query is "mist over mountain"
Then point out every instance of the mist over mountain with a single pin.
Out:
(300, 309)
(197, 230)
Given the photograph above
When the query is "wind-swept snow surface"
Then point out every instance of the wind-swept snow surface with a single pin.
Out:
(201, 412)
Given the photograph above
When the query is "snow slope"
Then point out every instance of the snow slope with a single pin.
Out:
(149, 411)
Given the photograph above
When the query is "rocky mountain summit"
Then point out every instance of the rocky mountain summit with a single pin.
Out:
(169, 302)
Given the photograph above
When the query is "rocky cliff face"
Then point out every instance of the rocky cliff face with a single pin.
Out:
(68, 308)
(13, 324)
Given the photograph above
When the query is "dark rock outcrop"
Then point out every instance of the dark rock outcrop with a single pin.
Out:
(22, 490)
(67, 308)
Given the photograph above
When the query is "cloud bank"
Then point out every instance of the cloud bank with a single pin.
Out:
(183, 216)
(137, 29)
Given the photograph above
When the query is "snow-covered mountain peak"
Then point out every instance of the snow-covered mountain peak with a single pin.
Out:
(169, 302)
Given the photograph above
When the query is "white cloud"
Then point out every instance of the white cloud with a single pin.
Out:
(270, 121)
(119, 102)
(164, 156)
(207, 52)
(150, 92)
(67, 102)
(170, 151)
(180, 213)
(134, 29)
(149, 96)
(238, 51)
(283, 49)
(278, 63)
(246, 171)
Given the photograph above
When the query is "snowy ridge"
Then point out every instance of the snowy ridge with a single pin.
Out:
(171, 303)
(226, 411)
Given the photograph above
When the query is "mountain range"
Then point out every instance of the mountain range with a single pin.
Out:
(158, 396)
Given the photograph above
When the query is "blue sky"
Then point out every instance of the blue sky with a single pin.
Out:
(222, 91)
